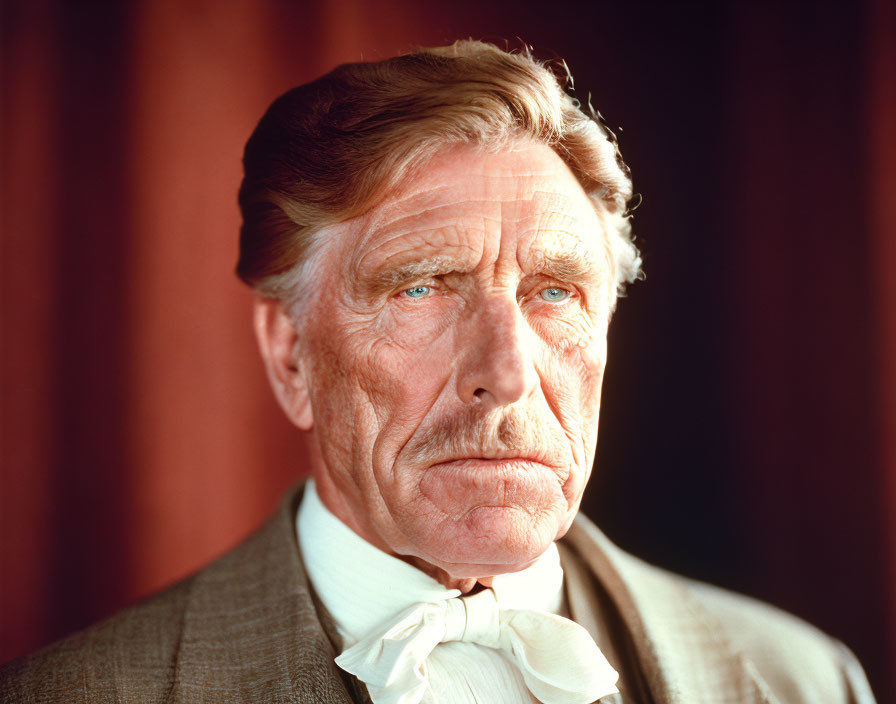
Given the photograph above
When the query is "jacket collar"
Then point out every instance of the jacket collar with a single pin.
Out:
(682, 651)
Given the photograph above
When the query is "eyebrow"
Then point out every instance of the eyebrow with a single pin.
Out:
(567, 266)
(420, 269)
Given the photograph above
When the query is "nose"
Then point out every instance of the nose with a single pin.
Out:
(497, 355)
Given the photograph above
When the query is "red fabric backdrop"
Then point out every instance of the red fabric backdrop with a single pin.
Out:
(139, 438)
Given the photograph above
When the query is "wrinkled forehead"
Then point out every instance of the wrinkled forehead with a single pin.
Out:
(467, 205)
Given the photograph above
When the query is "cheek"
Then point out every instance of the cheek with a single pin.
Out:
(572, 373)
(341, 415)
(412, 326)
(378, 376)
(573, 365)
(405, 369)
(404, 366)
(591, 362)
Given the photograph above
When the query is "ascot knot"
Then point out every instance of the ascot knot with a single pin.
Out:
(557, 658)
(473, 619)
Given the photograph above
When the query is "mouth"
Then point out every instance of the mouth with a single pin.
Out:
(489, 462)
(498, 482)
(494, 459)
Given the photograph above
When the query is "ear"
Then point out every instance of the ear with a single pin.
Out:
(278, 342)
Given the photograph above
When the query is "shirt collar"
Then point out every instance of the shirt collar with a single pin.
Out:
(361, 586)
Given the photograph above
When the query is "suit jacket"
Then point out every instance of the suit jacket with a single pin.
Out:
(246, 629)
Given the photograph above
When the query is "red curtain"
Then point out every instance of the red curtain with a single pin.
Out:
(139, 438)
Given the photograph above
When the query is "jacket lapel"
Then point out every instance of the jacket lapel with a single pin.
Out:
(682, 652)
(250, 631)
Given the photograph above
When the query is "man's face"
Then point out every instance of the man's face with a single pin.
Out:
(453, 345)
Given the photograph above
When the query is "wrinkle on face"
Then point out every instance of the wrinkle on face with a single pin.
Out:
(429, 471)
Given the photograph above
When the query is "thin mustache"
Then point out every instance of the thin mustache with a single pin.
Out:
(512, 434)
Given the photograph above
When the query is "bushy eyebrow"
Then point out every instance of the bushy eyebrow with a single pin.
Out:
(391, 277)
(567, 266)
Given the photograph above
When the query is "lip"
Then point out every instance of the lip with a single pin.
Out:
(488, 461)
(487, 481)
(498, 453)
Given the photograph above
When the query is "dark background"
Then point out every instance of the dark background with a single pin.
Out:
(747, 429)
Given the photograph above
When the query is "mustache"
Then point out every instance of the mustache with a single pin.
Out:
(507, 433)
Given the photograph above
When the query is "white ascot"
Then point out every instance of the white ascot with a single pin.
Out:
(410, 639)
(559, 661)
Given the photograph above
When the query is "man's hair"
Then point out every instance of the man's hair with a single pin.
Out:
(327, 151)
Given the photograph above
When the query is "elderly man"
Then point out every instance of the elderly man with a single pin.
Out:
(438, 241)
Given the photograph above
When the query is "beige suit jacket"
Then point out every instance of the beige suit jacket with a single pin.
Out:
(245, 629)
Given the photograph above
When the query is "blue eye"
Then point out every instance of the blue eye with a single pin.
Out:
(554, 295)
(416, 291)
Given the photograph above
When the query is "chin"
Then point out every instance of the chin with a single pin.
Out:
(491, 540)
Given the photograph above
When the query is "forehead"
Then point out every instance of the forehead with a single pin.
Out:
(469, 207)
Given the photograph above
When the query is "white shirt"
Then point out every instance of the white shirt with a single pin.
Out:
(362, 587)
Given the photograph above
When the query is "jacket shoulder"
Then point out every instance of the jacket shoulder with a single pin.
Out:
(696, 633)
(130, 656)
(797, 660)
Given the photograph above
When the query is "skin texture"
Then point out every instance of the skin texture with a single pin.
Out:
(447, 356)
